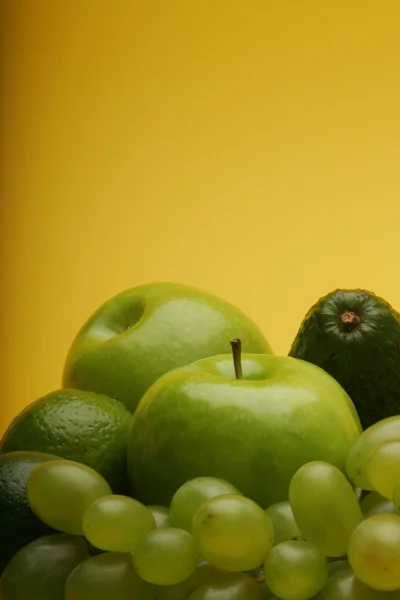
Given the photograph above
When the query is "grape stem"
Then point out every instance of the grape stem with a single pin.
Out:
(260, 579)
(236, 354)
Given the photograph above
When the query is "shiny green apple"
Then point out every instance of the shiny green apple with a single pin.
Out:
(144, 332)
(253, 430)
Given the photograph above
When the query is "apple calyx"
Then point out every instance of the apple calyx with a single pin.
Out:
(236, 355)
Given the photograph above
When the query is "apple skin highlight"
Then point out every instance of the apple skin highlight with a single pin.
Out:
(255, 432)
(144, 332)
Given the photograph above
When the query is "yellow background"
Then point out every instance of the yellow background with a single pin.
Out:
(248, 147)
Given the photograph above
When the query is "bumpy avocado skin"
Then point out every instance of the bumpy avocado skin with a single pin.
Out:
(354, 335)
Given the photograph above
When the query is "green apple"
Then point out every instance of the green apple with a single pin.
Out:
(253, 430)
(144, 332)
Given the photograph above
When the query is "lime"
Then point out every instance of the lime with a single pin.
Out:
(76, 425)
(18, 524)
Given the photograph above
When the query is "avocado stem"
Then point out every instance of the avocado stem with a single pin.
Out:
(349, 319)
(237, 354)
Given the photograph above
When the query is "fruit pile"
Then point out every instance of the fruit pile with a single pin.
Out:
(172, 466)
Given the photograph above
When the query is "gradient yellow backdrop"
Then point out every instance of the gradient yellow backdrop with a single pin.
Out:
(248, 147)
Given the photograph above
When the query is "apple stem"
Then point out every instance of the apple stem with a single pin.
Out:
(237, 353)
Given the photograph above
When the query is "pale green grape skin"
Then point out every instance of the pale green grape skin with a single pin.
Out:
(38, 571)
(60, 491)
(344, 585)
(107, 576)
(233, 533)
(204, 573)
(285, 526)
(117, 523)
(161, 515)
(374, 552)
(358, 456)
(324, 506)
(166, 556)
(396, 497)
(234, 586)
(295, 570)
(375, 504)
(191, 495)
(383, 469)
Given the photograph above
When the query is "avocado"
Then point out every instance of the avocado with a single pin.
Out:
(354, 335)
(18, 524)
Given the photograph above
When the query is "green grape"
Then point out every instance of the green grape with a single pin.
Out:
(336, 565)
(166, 556)
(117, 523)
(374, 552)
(285, 527)
(358, 457)
(191, 495)
(325, 506)
(60, 491)
(233, 533)
(233, 586)
(344, 585)
(204, 573)
(396, 497)
(107, 576)
(358, 492)
(375, 504)
(161, 515)
(265, 591)
(38, 571)
(383, 468)
(295, 570)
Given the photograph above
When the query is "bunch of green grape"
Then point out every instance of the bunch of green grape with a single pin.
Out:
(335, 537)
